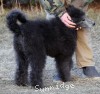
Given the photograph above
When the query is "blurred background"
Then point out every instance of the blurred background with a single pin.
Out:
(32, 4)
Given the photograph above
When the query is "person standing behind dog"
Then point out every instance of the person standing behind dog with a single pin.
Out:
(84, 55)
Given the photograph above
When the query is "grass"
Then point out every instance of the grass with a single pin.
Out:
(34, 13)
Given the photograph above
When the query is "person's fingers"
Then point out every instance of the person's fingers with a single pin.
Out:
(69, 17)
(80, 27)
(68, 25)
(66, 19)
(70, 22)
(77, 29)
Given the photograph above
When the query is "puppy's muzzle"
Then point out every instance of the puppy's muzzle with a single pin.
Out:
(86, 23)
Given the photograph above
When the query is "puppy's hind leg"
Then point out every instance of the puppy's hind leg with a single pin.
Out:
(37, 62)
(64, 65)
(37, 66)
(22, 69)
(36, 56)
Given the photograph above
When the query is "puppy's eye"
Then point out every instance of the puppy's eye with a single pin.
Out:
(83, 19)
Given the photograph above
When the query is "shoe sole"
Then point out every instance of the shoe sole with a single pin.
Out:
(84, 76)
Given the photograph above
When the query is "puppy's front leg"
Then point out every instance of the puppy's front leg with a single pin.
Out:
(64, 65)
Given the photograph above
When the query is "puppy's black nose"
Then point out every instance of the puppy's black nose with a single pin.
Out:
(93, 24)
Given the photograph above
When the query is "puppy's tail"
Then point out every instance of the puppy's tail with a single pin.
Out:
(12, 18)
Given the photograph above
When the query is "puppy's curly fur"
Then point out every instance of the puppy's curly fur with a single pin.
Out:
(34, 40)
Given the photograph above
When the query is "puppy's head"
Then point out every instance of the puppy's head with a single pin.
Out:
(79, 17)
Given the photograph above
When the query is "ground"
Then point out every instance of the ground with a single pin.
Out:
(79, 85)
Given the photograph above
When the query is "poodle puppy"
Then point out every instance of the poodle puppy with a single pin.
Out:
(35, 39)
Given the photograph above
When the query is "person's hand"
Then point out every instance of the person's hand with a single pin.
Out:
(66, 19)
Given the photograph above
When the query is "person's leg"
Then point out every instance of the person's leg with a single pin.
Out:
(84, 54)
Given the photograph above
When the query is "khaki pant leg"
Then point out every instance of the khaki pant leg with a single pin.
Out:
(84, 55)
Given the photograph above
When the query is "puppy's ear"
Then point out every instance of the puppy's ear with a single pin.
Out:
(70, 9)
(74, 12)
